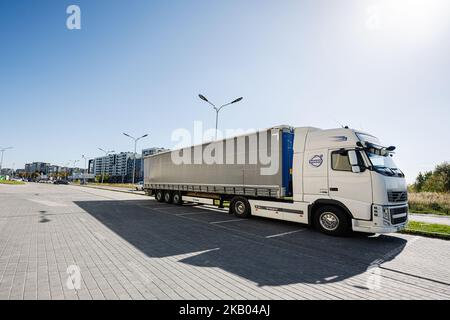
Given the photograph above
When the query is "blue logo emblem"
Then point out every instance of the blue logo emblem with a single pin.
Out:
(316, 161)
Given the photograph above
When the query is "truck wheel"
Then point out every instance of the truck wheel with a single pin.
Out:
(159, 196)
(177, 198)
(332, 220)
(240, 207)
(168, 197)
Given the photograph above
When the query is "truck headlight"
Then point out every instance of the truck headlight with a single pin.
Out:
(386, 214)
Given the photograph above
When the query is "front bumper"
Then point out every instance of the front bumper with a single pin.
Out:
(385, 219)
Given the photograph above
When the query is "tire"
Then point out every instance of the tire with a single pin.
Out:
(240, 207)
(159, 196)
(177, 198)
(168, 198)
(332, 220)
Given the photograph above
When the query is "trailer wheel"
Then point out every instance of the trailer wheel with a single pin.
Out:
(168, 197)
(332, 220)
(240, 207)
(177, 198)
(159, 196)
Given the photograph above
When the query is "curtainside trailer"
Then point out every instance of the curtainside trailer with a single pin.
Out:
(337, 180)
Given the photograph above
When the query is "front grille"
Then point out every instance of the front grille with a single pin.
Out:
(397, 196)
(399, 211)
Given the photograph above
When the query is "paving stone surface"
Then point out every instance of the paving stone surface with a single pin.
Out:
(68, 242)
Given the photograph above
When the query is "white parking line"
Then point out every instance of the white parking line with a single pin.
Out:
(283, 234)
(49, 203)
(225, 221)
(206, 207)
(189, 213)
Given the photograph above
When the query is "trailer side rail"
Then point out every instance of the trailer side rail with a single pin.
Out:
(247, 190)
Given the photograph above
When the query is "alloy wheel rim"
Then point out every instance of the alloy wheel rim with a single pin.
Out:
(239, 207)
(329, 221)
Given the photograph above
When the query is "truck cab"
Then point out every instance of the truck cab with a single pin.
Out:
(348, 179)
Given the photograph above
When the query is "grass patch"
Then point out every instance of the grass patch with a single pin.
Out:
(428, 229)
(11, 182)
(429, 202)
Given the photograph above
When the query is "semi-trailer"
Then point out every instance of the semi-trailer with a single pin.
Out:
(337, 180)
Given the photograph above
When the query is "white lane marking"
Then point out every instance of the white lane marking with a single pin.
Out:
(214, 209)
(189, 213)
(48, 203)
(284, 233)
(225, 221)
(393, 252)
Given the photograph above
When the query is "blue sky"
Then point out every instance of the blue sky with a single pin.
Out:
(138, 66)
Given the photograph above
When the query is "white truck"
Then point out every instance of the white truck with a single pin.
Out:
(336, 180)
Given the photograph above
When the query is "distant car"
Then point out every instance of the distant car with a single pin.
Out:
(61, 182)
(140, 186)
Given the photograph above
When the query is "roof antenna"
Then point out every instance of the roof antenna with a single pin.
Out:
(342, 126)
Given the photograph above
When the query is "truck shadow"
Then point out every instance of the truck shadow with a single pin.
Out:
(242, 248)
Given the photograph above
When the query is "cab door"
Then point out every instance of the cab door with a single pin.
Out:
(352, 189)
(315, 174)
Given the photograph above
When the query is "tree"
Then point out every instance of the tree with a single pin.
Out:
(437, 180)
(443, 172)
(98, 178)
(420, 180)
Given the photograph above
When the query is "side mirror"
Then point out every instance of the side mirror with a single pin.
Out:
(353, 158)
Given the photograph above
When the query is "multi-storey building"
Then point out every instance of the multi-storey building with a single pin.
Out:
(152, 151)
(40, 167)
(119, 167)
(114, 165)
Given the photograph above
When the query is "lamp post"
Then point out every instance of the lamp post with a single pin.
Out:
(73, 167)
(2, 150)
(103, 164)
(85, 168)
(134, 155)
(66, 171)
(217, 109)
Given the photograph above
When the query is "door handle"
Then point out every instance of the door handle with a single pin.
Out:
(334, 189)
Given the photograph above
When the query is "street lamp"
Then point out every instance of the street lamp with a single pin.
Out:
(134, 155)
(66, 170)
(103, 162)
(75, 162)
(73, 167)
(85, 167)
(219, 108)
(2, 150)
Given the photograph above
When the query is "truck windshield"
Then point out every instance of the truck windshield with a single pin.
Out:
(383, 163)
(380, 158)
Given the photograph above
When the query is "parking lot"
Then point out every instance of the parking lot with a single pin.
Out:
(128, 246)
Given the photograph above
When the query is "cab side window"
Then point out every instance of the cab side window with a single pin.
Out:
(340, 161)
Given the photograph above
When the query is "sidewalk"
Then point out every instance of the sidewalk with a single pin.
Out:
(429, 218)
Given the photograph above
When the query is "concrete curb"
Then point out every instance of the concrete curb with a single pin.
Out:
(435, 235)
(108, 189)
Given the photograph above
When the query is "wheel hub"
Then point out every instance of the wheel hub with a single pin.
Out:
(239, 207)
(329, 221)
